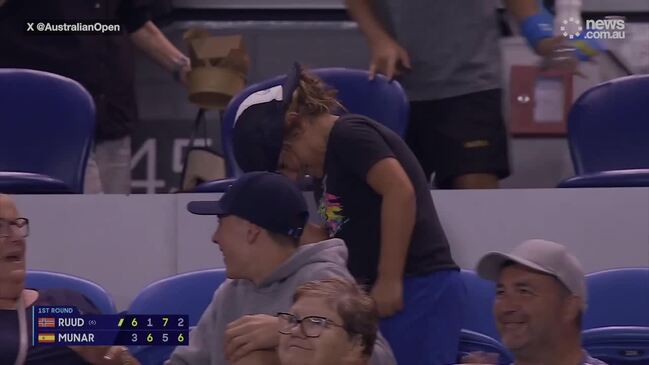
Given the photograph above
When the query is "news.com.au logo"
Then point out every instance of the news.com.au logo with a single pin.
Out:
(611, 27)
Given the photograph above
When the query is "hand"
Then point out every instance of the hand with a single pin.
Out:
(388, 58)
(182, 75)
(250, 333)
(480, 357)
(388, 295)
(181, 68)
(106, 355)
(559, 55)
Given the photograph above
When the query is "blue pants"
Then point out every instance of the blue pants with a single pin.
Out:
(427, 330)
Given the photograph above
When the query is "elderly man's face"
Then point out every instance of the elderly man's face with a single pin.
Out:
(530, 308)
(12, 251)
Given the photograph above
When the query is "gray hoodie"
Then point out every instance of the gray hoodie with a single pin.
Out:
(237, 298)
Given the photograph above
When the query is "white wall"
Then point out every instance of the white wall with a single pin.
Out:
(126, 242)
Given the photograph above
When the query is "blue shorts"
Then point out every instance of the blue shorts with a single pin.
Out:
(427, 330)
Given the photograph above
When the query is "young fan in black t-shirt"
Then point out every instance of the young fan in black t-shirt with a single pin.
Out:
(374, 195)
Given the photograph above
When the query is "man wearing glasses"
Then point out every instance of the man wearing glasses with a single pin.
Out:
(261, 219)
(17, 302)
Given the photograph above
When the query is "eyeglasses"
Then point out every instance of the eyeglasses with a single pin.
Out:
(311, 326)
(20, 226)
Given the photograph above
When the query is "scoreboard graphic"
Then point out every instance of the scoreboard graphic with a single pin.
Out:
(65, 326)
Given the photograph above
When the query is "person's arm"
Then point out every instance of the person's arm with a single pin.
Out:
(521, 9)
(536, 25)
(361, 11)
(398, 209)
(155, 44)
(387, 54)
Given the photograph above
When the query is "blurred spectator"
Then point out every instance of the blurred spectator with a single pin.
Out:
(261, 218)
(331, 321)
(446, 54)
(15, 338)
(540, 298)
(102, 63)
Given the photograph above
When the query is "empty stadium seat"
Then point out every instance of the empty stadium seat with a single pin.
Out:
(48, 124)
(608, 133)
(617, 297)
(36, 279)
(618, 345)
(617, 317)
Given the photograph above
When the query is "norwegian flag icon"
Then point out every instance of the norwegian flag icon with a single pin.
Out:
(46, 322)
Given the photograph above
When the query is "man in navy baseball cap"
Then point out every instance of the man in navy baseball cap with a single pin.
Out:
(261, 218)
(269, 200)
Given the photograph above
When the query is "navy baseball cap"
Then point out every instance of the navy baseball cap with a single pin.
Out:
(259, 124)
(267, 199)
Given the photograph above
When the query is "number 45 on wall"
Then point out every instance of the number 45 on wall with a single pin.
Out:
(148, 154)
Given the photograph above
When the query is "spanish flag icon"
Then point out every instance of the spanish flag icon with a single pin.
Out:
(46, 338)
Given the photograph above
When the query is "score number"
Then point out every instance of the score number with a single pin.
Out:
(163, 338)
(154, 322)
(160, 330)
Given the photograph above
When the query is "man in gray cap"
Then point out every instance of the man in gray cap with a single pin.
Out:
(540, 298)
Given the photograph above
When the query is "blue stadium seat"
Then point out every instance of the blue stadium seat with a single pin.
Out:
(189, 293)
(608, 133)
(36, 279)
(478, 313)
(618, 345)
(618, 297)
(47, 125)
(471, 341)
(617, 318)
(479, 331)
(380, 99)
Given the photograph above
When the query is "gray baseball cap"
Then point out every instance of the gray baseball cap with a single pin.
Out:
(541, 255)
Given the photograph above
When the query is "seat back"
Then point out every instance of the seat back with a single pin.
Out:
(189, 293)
(478, 315)
(471, 341)
(38, 279)
(608, 126)
(380, 99)
(617, 345)
(47, 125)
(618, 297)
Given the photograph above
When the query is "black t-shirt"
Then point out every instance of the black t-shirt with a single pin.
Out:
(351, 209)
(41, 355)
(102, 63)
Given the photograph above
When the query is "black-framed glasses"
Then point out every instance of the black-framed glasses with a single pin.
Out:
(18, 225)
(311, 326)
